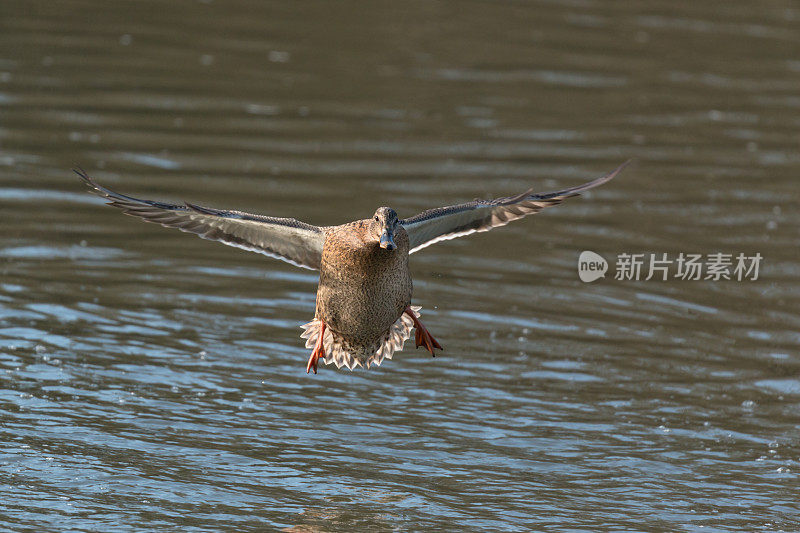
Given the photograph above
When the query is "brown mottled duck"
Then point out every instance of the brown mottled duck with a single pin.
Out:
(364, 312)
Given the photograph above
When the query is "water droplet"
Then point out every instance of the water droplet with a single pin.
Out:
(748, 404)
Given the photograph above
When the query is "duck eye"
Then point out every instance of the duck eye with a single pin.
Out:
(376, 217)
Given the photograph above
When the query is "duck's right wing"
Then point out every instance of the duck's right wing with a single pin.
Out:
(288, 239)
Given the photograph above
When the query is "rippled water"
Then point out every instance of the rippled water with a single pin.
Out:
(151, 380)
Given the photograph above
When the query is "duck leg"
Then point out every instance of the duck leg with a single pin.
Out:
(421, 335)
(319, 350)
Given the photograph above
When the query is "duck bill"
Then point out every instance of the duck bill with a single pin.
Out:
(387, 240)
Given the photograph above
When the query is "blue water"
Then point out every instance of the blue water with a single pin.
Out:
(150, 380)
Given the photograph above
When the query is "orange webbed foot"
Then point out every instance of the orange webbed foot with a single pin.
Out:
(422, 337)
(319, 350)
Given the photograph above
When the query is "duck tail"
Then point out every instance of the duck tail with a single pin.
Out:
(340, 352)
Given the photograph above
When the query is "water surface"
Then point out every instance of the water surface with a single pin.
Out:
(151, 380)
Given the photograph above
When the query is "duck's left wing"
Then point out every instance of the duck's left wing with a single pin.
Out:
(445, 223)
(288, 239)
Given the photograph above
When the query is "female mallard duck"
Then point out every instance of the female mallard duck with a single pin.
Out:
(364, 310)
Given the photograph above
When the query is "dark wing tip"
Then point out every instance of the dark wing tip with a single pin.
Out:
(605, 179)
(608, 177)
(97, 189)
(574, 191)
(114, 197)
(83, 175)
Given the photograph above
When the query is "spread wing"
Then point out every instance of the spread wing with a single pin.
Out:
(293, 241)
(445, 223)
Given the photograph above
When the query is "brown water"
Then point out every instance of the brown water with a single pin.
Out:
(151, 380)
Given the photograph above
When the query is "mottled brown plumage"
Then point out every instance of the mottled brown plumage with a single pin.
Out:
(364, 311)
(363, 288)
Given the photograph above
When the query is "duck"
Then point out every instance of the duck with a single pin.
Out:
(363, 309)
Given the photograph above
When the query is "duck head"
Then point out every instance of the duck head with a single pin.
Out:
(382, 226)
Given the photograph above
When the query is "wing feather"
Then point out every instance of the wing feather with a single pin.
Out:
(288, 239)
(444, 223)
